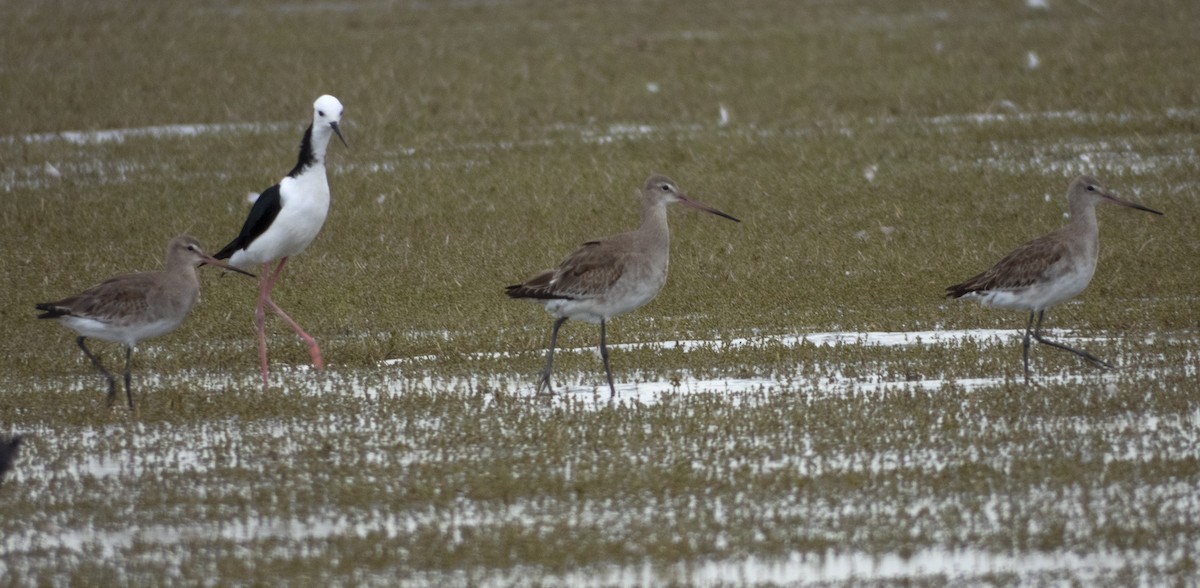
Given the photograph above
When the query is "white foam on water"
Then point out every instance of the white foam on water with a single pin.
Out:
(155, 132)
(831, 338)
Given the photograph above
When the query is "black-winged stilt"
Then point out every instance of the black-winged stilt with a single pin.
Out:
(285, 218)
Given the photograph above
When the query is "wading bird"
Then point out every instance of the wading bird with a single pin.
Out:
(8, 453)
(1050, 269)
(284, 219)
(132, 307)
(612, 276)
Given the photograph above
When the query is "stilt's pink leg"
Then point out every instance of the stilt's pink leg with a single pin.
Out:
(260, 316)
(314, 351)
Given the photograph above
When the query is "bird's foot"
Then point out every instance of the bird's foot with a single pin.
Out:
(544, 383)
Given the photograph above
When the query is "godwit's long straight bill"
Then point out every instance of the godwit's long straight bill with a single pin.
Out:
(688, 201)
(210, 260)
(1126, 203)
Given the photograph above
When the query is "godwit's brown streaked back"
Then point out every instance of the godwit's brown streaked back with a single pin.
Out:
(611, 276)
(132, 307)
(1050, 269)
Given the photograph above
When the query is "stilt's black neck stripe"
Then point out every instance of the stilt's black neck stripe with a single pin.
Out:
(307, 157)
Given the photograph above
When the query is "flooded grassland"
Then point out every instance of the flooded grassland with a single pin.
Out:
(799, 404)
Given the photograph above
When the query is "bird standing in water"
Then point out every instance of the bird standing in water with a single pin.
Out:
(611, 276)
(1048, 270)
(284, 219)
(132, 307)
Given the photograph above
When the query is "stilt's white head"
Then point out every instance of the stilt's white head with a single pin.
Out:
(327, 112)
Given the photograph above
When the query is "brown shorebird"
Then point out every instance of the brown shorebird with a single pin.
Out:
(8, 453)
(1050, 269)
(132, 307)
(612, 276)
(284, 219)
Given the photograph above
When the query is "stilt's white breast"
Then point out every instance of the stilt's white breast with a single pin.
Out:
(304, 204)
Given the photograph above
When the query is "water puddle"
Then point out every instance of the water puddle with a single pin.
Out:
(155, 132)
(856, 566)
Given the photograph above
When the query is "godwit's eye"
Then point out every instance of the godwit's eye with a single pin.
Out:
(1091, 188)
(665, 188)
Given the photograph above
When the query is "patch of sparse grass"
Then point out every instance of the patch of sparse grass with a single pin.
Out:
(875, 153)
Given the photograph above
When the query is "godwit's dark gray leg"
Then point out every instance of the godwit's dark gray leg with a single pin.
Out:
(604, 355)
(1028, 330)
(1037, 334)
(544, 381)
(112, 382)
(128, 363)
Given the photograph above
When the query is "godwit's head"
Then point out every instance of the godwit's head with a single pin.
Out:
(663, 190)
(1088, 191)
(184, 252)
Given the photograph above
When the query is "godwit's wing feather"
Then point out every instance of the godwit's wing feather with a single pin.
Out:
(588, 272)
(591, 270)
(114, 300)
(539, 287)
(1026, 265)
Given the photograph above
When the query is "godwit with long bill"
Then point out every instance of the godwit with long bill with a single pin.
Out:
(611, 276)
(132, 307)
(1048, 270)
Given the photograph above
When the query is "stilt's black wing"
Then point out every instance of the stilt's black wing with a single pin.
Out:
(262, 214)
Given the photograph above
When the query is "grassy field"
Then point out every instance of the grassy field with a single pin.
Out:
(799, 404)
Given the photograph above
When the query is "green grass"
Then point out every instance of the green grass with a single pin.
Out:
(486, 141)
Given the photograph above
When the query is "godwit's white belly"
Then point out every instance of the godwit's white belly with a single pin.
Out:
(627, 294)
(128, 333)
(1061, 283)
